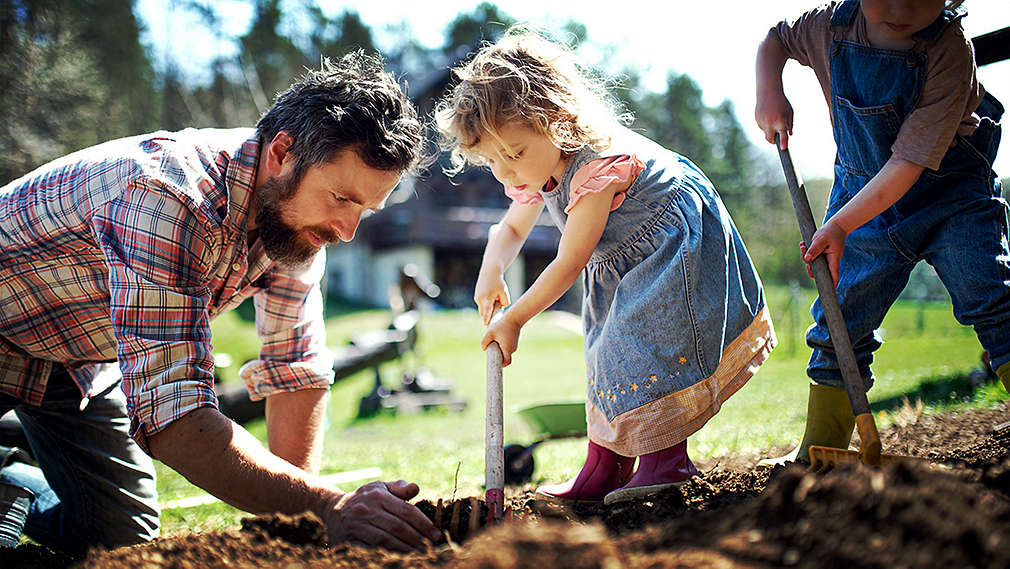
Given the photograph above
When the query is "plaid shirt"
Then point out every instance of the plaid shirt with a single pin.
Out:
(123, 252)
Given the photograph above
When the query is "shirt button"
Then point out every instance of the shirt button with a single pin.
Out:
(237, 266)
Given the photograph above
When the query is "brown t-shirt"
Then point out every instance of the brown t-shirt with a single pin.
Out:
(950, 95)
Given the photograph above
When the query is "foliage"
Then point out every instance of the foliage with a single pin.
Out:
(71, 79)
(68, 80)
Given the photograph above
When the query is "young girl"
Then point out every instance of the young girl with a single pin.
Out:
(916, 136)
(674, 314)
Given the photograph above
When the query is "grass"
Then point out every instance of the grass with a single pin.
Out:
(927, 356)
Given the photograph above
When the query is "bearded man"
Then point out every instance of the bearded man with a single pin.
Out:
(113, 261)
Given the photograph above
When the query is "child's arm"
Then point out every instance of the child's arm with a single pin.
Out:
(583, 229)
(880, 193)
(504, 241)
(773, 112)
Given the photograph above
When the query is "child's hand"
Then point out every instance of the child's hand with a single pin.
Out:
(774, 114)
(829, 240)
(506, 332)
(489, 294)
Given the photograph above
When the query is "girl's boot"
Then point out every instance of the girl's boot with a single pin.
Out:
(656, 471)
(603, 471)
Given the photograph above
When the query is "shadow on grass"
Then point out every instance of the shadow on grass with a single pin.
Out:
(938, 391)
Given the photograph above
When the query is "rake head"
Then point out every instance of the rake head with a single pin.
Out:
(826, 458)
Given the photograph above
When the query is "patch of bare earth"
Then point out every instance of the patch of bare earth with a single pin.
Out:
(732, 516)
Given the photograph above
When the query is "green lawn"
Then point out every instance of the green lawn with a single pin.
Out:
(926, 355)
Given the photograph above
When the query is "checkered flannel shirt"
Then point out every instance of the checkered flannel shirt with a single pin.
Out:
(123, 252)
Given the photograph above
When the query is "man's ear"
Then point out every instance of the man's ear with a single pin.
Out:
(277, 152)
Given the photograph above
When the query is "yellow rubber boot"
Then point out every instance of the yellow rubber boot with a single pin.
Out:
(1003, 373)
(829, 423)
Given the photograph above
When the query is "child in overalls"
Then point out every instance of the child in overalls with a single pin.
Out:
(674, 315)
(916, 138)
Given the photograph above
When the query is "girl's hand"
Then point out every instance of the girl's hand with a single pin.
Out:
(774, 114)
(490, 293)
(829, 240)
(506, 332)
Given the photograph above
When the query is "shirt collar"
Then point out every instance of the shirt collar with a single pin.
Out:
(241, 179)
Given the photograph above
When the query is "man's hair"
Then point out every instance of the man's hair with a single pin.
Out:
(351, 104)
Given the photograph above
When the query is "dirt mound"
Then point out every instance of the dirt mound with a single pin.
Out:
(907, 515)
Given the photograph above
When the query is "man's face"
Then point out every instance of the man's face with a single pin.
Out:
(296, 218)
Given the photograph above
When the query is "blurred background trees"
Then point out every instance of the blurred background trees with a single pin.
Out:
(75, 73)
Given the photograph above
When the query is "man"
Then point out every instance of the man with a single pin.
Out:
(114, 259)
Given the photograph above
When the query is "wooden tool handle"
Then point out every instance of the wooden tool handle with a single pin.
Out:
(832, 310)
(825, 289)
(494, 436)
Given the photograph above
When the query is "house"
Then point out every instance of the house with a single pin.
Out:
(440, 225)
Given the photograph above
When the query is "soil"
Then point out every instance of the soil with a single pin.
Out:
(950, 510)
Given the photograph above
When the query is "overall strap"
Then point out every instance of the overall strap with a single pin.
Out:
(842, 19)
(845, 14)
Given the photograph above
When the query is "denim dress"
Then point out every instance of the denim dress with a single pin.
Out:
(952, 217)
(674, 315)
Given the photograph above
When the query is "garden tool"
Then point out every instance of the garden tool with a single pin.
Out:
(870, 448)
(494, 436)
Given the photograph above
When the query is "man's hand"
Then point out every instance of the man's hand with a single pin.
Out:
(224, 459)
(377, 514)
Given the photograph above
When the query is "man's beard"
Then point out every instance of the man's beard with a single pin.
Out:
(283, 243)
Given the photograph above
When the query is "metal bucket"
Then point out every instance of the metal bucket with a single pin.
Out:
(14, 504)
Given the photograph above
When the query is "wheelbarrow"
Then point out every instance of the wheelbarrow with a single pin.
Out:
(549, 421)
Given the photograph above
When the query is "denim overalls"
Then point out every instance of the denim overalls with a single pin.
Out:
(953, 217)
(669, 284)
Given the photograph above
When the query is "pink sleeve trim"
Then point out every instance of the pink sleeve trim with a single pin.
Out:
(524, 198)
(600, 173)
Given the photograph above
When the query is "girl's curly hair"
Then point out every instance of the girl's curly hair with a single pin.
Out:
(528, 78)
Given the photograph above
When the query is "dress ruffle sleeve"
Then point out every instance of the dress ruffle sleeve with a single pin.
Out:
(600, 173)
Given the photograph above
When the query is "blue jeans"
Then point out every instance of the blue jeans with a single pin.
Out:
(94, 485)
(967, 249)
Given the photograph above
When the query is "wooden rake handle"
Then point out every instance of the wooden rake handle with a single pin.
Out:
(868, 435)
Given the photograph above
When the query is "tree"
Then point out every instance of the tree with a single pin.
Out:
(68, 81)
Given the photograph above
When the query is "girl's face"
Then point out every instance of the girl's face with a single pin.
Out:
(526, 160)
(892, 23)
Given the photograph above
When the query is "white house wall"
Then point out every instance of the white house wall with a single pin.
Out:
(386, 269)
(348, 271)
(356, 273)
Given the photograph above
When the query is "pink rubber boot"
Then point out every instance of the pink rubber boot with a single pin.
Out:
(603, 471)
(656, 471)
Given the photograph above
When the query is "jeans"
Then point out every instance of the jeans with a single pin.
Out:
(94, 485)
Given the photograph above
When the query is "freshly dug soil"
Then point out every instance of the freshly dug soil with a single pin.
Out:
(732, 516)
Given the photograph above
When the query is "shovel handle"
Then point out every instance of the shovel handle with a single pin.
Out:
(494, 435)
(829, 300)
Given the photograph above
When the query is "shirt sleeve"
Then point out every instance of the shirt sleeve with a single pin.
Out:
(807, 38)
(289, 322)
(158, 250)
(600, 173)
(950, 87)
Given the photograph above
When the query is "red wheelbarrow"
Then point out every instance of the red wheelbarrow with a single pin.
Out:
(548, 421)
